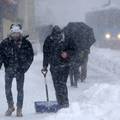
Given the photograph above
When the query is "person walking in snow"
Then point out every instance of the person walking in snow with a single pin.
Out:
(58, 51)
(16, 53)
(84, 38)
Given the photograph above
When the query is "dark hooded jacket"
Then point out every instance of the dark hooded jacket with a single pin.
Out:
(16, 59)
(53, 49)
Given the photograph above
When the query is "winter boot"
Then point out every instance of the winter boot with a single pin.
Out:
(64, 106)
(9, 111)
(19, 112)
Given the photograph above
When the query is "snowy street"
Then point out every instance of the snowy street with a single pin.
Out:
(96, 99)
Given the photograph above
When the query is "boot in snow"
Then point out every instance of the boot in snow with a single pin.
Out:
(19, 112)
(9, 111)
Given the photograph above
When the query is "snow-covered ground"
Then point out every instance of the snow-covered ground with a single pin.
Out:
(96, 99)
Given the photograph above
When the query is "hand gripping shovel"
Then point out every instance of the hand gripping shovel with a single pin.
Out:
(46, 106)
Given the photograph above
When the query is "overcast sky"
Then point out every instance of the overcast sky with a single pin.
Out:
(62, 11)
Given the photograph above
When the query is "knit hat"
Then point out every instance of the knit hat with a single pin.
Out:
(16, 28)
(56, 30)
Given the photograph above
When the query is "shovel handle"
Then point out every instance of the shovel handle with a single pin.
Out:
(47, 95)
(46, 87)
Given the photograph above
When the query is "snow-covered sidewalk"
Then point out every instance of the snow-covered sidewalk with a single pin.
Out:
(97, 99)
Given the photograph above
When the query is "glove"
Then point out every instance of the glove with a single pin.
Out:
(44, 71)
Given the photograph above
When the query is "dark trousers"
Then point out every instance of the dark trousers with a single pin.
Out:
(8, 85)
(59, 76)
(74, 75)
(83, 73)
(78, 71)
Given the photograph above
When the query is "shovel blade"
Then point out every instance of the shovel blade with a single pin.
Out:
(46, 107)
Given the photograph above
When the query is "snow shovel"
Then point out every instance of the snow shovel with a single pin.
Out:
(46, 106)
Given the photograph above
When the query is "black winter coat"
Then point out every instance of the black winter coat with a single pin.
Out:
(53, 48)
(14, 58)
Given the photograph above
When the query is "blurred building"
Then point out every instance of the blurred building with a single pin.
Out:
(26, 15)
(18, 11)
(106, 24)
(8, 13)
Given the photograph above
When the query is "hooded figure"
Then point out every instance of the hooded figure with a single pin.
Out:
(83, 36)
(57, 52)
(16, 53)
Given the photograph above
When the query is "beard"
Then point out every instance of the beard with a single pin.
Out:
(16, 38)
(17, 41)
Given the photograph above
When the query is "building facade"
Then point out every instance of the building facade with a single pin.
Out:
(8, 12)
(26, 16)
(17, 11)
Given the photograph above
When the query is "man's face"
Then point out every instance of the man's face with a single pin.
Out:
(58, 36)
(17, 38)
(16, 35)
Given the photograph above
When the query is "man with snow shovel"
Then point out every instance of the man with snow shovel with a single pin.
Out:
(58, 51)
(16, 53)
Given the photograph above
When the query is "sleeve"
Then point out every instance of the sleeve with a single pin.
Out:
(46, 52)
(30, 53)
(30, 57)
(1, 55)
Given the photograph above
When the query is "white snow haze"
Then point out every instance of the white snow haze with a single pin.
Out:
(62, 11)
